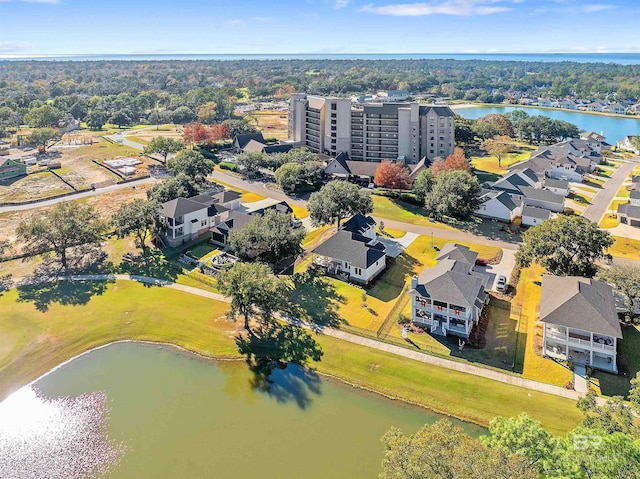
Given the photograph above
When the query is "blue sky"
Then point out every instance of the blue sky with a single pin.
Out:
(50, 27)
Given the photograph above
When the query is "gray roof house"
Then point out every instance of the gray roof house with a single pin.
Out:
(497, 205)
(241, 141)
(542, 198)
(532, 215)
(351, 256)
(580, 321)
(185, 219)
(449, 298)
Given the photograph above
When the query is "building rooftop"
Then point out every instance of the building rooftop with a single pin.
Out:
(359, 251)
(535, 212)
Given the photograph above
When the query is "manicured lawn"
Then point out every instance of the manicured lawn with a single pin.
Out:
(625, 248)
(393, 232)
(623, 192)
(247, 196)
(299, 212)
(490, 163)
(137, 139)
(400, 211)
(80, 316)
(314, 236)
(584, 188)
(581, 199)
(611, 385)
(525, 306)
(609, 221)
(202, 251)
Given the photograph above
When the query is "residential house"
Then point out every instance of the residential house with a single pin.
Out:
(228, 198)
(626, 144)
(185, 219)
(568, 105)
(542, 198)
(592, 135)
(363, 172)
(532, 215)
(449, 298)
(629, 213)
(253, 146)
(350, 255)
(633, 109)
(617, 108)
(11, 168)
(497, 205)
(598, 105)
(559, 187)
(580, 321)
(241, 141)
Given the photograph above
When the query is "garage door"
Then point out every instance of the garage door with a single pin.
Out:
(634, 222)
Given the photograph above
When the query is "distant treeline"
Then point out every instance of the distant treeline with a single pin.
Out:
(136, 88)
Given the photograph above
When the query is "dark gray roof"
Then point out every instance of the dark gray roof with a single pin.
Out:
(281, 207)
(247, 137)
(236, 220)
(450, 281)
(438, 110)
(457, 252)
(352, 248)
(358, 223)
(629, 210)
(502, 196)
(180, 207)
(207, 200)
(553, 183)
(528, 172)
(362, 168)
(542, 195)
(535, 212)
(580, 303)
(226, 196)
(634, 194)
(635, 179)
(277, 148)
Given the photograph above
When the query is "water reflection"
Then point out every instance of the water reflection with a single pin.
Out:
(55, 438)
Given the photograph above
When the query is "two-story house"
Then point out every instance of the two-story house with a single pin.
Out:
(449, 298)
(185, 219)
(629, 213)
(580, 321)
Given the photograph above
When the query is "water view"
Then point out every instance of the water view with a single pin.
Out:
(614, 128)
(146, 411)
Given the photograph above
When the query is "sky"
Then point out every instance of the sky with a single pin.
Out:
(81, 27)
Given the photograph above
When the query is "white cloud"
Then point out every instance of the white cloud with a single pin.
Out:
(13, 47)
(443, 7)
(596, 7)
(338, 4)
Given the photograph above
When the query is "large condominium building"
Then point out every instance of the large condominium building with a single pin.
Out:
(373, 131)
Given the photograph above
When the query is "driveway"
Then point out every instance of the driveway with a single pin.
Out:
(395, 246)
(504, 268)
(600, 203)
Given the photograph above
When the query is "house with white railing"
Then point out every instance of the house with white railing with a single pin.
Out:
(449, 298)
(580, 321)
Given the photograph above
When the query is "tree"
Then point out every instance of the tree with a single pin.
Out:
(502, 124)
(252, 291)
(464, 132)
(498, 146)
(159, 118)
(239, 127)
(137, 219)
(41, 136)
(522, 436)
(437, 166)
(337, 200)
(163, 146)
(485, 130)
(423, 184)
(634, 393)
(444, 451)
(392, 175)
(208, 112)
(183, 115)
(251, 162)
(121, 118)
(195, 133)
(193, 164)
(43, 116)
(614, 416)
(565, 246)
(626, 279)
(454, 193)
(61, 228)
(457, 161)
(269, 238)
(292, 176)
(179, 186)
(96, 119)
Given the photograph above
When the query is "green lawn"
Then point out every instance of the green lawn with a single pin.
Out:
(400, 211)
(43, 326)
(609, 221)
(393, 233)
(623, 192)
(490, 163)
(202, 251)
(625, 248)
(314, 236)
(611, 385)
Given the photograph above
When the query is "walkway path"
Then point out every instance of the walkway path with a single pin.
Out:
(580, 379)
(352, 338)
(598, 207)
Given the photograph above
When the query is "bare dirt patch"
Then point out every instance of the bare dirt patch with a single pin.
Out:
(32, 187)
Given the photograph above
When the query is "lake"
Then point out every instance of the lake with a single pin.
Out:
(613, 128)
(157, 412)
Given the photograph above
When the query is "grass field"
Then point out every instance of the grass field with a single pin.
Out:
(43, 326)
(625, 248)
(31, 187)
(609, 221)
(623, 192)
(392, 232)
(628, 365)
(490, 163)
(400, 211)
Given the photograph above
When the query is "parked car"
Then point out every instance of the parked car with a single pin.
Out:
(501, 283)
(481, 262)
(296, 223)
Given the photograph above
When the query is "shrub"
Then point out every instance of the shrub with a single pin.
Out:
(226, 165)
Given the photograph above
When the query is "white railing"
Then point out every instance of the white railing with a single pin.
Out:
(556, 335)
(581, 342)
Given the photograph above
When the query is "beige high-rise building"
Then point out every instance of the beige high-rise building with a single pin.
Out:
(373, 131)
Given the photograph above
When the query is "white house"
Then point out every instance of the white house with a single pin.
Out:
(532, 215)
(629, 213)
(449, 298)
(626, 144)
(542, 198)
(580, 321)
(353, 253)
(559, 187)
(185, 219)
(497, 205)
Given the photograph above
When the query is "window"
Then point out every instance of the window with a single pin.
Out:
(203, 223)
(358, 271)
(334, 106)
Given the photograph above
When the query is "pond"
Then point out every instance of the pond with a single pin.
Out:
(140, 410)
(613, 128)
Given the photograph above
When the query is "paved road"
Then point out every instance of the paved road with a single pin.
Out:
(598, 207)
(76, 196)
(352, 338)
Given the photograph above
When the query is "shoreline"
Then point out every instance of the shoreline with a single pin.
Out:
(517, 107)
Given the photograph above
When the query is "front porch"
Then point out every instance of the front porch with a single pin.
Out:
(331, 267)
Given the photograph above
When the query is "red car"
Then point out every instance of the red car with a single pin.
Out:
(481, 262)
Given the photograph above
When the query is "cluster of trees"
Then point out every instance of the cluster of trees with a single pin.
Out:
(203, 135)
(336, 201)
(188, 177)
(294, 176)
(252, 162)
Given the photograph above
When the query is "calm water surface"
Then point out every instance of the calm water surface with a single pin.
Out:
(169, 414)
(614, 128)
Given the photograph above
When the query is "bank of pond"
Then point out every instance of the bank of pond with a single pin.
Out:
(140, 410)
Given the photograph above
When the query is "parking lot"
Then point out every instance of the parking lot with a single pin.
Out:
(505, 267)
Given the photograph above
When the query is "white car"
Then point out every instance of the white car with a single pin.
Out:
(501, 283)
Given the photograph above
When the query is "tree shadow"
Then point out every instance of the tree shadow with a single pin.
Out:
(389, 284)
(5, 283)
(63, 292)
(314, 299)
(271, 353)
(151, 263)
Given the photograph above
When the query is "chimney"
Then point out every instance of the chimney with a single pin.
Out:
(414, 282)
